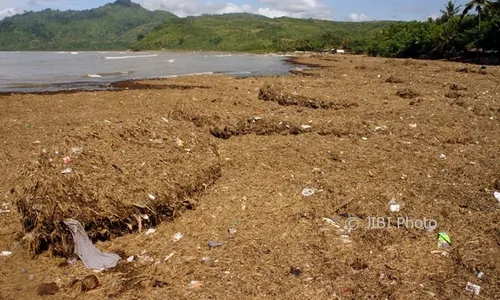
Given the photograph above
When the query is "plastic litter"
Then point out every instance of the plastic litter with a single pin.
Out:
(364, 138)
(150, 231)
(474, 288)
(5, 253)
(214, 244)
(442, 156)
(307, 192)
(305, 126)
(194, 284)
(67, 159)
(254, 119)
(77, 150)
(413, 125)
(151, 196)
(90, 256)
(497, 195)
(67, 171)
(169, 256)
(480, 275)
(130, 258)
(444, 240)
(295, 271)
(176, 237)
(394, 206)
(331, 222)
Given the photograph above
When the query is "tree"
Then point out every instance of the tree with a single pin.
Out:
(479, 5)
(450, 11)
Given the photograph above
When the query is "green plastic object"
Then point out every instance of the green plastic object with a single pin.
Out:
(444, 240)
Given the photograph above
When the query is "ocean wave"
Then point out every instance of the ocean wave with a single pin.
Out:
(74, 53)
(130, 56)
(171, 60)
(94, 75)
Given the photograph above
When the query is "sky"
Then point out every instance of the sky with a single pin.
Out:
(338, 10)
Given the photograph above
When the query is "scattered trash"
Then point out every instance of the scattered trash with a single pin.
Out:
(90, 256)
(214, 244)
(295, 271)
(442, 156)
(130, 258)
(194, 284)
(77, 150)
(404, 177)
(305, 126)
(6, 211)
(444, 240)
(364, 138)
(164, 119)
(254, 119)
(169, 256)
(89, 282)
(150, 231)
(413, 125)
(480, 275)
(473, 288)
(306, 192)
(179, 142)
(394, 206)
(36, 142)
(380, 128)
(497, 195)
(331, 222)
(176, 237)
(67, 171)
(159, 283)
(45, 289)
(151, 196)
(5, 253)
(72, 261)
(231, 230)
(67, 159)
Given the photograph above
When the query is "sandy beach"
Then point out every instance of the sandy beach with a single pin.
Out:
(301, 156)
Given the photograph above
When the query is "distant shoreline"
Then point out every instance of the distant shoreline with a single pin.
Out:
(130, 84)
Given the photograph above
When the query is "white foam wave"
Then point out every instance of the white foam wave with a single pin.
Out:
(74, 53)
(94, 75)
(130, 56)
(171, 60)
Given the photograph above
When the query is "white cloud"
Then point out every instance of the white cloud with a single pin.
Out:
(269, 8)
(434, 16)
(355, 17)
(298, 8)
(8, 12)
(271, 13)
(233, 8)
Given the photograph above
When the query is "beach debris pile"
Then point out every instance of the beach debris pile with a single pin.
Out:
(107, 183)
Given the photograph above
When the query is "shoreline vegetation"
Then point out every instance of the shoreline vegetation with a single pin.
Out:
(469, 33)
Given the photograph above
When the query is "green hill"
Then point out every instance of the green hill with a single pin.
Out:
(127, 25)
(113, 26)
(248, 32)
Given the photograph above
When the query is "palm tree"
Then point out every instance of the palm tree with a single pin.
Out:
(479, 5)
(450, 10)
